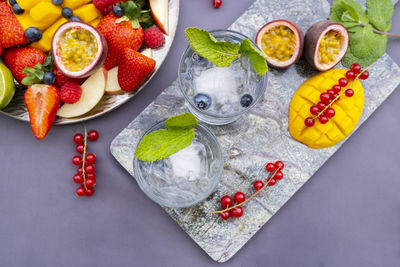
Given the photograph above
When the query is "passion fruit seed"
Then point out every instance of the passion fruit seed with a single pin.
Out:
(329, 47)
(78, 47)
(279, 43)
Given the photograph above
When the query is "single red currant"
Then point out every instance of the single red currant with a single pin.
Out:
(349, 92)
(321, 106)
(89, 168)
(90, 183)
(78, 178)
(323, 119)
(325, 98)
(77, 160)
(226, 201)
(271, 181)
(364, 75)
(91, 175)
(336, 88)
(331, 93)
(80, 170)
(258, 185)
(217, 3)
(309, 122)
(356, 68)
(278, 175)
(350, 75)
(239, 197)
(343, 82)
(237, 212)
(270, 167)
(314, 110)
(78, 138)
(337, 97)
(89, 192)
(93, 135)
(90, 158)
(80, 148)
(330, 112)
(279, 165)
(80, 191)
(225, 215)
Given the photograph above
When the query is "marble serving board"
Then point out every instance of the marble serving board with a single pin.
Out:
(258, 137)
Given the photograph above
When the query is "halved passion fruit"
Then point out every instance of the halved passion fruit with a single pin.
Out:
(78, 49)
(281, 41)
(326, 43)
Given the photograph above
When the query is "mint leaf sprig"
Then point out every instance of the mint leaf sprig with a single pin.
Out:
(137, 12)
(221, 53)
(163, 143)
(36, 73)
(368, 31)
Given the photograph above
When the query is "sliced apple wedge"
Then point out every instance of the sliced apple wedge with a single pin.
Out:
(92, 92)
(159, 11)
(147, 52)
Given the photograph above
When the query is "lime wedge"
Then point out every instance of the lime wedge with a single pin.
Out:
(7, 86)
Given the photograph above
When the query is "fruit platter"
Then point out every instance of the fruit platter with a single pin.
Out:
(85, 58)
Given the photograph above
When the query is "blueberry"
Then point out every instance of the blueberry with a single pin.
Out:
(202, 101)
(57, 2)
(118, 11)
(67, 12)
(49, 78)
(12, 2)
(246, 100)
(33, 34)
(75, 18)
(17, 9)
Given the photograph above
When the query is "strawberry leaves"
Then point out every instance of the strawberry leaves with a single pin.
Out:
(36, 74)
(134, 11)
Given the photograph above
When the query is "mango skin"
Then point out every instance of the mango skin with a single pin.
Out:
(348, 111)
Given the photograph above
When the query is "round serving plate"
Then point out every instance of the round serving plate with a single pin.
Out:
(17, 109)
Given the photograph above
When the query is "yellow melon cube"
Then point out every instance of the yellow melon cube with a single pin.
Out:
(87, 13)
(46, 12)
(95, 22)
(27, 21)
(74, 3)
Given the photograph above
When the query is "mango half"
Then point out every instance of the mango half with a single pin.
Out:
(348, 110)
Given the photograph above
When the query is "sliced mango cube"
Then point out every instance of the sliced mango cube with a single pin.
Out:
(45, 43)
(87, 13)
(74, 3)
(46, 12)
(95, 22)
(27, 21)
(28, 4)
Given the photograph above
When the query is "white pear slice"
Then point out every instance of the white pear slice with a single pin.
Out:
(159, 11)
(92, 92)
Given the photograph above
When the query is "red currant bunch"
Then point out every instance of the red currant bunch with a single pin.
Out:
(86, 175)
(239, 198)
(323, 111)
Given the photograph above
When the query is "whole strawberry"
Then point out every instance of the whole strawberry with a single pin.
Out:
(11, 32)
(104, 6)
(119, 34)
(42, 102)
(134, 69)
(18, 58)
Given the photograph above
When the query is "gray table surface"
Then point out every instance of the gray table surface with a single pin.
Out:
(348, 214)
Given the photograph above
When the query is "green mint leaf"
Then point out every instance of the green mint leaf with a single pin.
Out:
(163, 143)
(376, 53)
(220, 53)
(348, 11)
(256, 58)
(362, 42)
(135, 23)
(182, 121)
(145, 19)
(48, 63)
(35, 75)
(131, 10)
(380, 13)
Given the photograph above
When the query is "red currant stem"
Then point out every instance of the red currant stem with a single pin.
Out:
(251, 197)
(336, 98)
(83, 157)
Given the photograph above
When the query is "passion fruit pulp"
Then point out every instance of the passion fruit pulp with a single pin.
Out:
(326, 43)
(78, 49)
(281, 41)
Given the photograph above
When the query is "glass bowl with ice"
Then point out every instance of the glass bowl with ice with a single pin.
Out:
(219, 95)
(186, 177)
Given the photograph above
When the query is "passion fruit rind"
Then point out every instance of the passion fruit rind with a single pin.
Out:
(315, 38)
(293, 50)
(90, 34)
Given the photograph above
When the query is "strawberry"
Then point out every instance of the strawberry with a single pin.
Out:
(11, 32)
(18, 58)
(61, 79)
(119, 35)
(42, 102)
(1, 50)
(134, 69)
